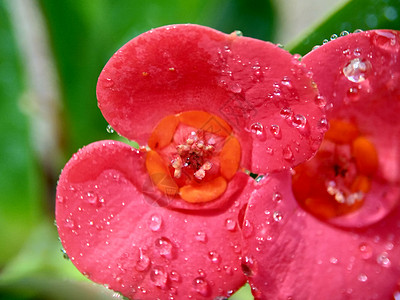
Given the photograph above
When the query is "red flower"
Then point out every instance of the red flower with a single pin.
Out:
(331, 230)
(164, 221)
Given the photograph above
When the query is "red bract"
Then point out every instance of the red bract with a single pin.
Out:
(205, 106)
(331, 229)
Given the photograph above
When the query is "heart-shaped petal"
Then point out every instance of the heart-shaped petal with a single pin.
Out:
(116, 235)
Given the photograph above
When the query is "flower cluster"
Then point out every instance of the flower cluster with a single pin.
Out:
(181, 217)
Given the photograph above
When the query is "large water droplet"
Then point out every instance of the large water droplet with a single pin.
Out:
(383, 260)
(385, 40)
(159, 277)
(299, 121)
(357, 70)
(155, 222)
(201, 286)
(275, 131)
(164, 247)
(286, 112)
(257, 128)
(143, 262)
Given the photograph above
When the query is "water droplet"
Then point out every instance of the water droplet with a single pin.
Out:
(143, 262)
(108, 83)
(362, 277)
(230, 224)
(214, 257)
(299, 121)
(247, 229)
(201, 236)
(358, 31)
(238, 33)
(320, 101)
(286, 112)
(333, 37)
(275, 131)
(174, 276)
(384, 39)
(366, 250)
(69, 223)
(383, 260)
(201, 286)
(325, 41)
(164, 247)
(287, 153)
(109, 129)
(333, 260)
(159, 277)
(270, 151)
(277, 216)
(249, 266)
(286, 82)
(155, 222)
(257, 128)
(236, 88)
(323, 124)
(64, 253)
(92, 198)
(277, 197)
(344, 33)
(357, 70)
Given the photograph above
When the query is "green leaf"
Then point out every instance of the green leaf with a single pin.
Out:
(19, 183)
(353, 15)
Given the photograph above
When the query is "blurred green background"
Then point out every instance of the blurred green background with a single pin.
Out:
(51, 53)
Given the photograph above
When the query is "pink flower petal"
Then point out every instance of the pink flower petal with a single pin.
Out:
(292, 255)
(259, 89)
(359, 76)
(116, 236)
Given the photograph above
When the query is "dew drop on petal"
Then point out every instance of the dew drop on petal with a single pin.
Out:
(277, 197)
(159, 277)
(287, 153)
(357, 70)
(155, 222)
(230, 224)
(108, 83)
(275, 131)
(143, 262)
(277, 216)
(247, 229)
(69, 223)
(175, 276)
(299, 121)
(383, 260)
(164, 247)
(286, 112)
(214, 257)
(362, 277)
(320, 101)
(201, 236)
(365, 250)
(257, 128)
(201, 286)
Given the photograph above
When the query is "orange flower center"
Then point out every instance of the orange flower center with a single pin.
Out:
(193, 156)
(335, 181)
